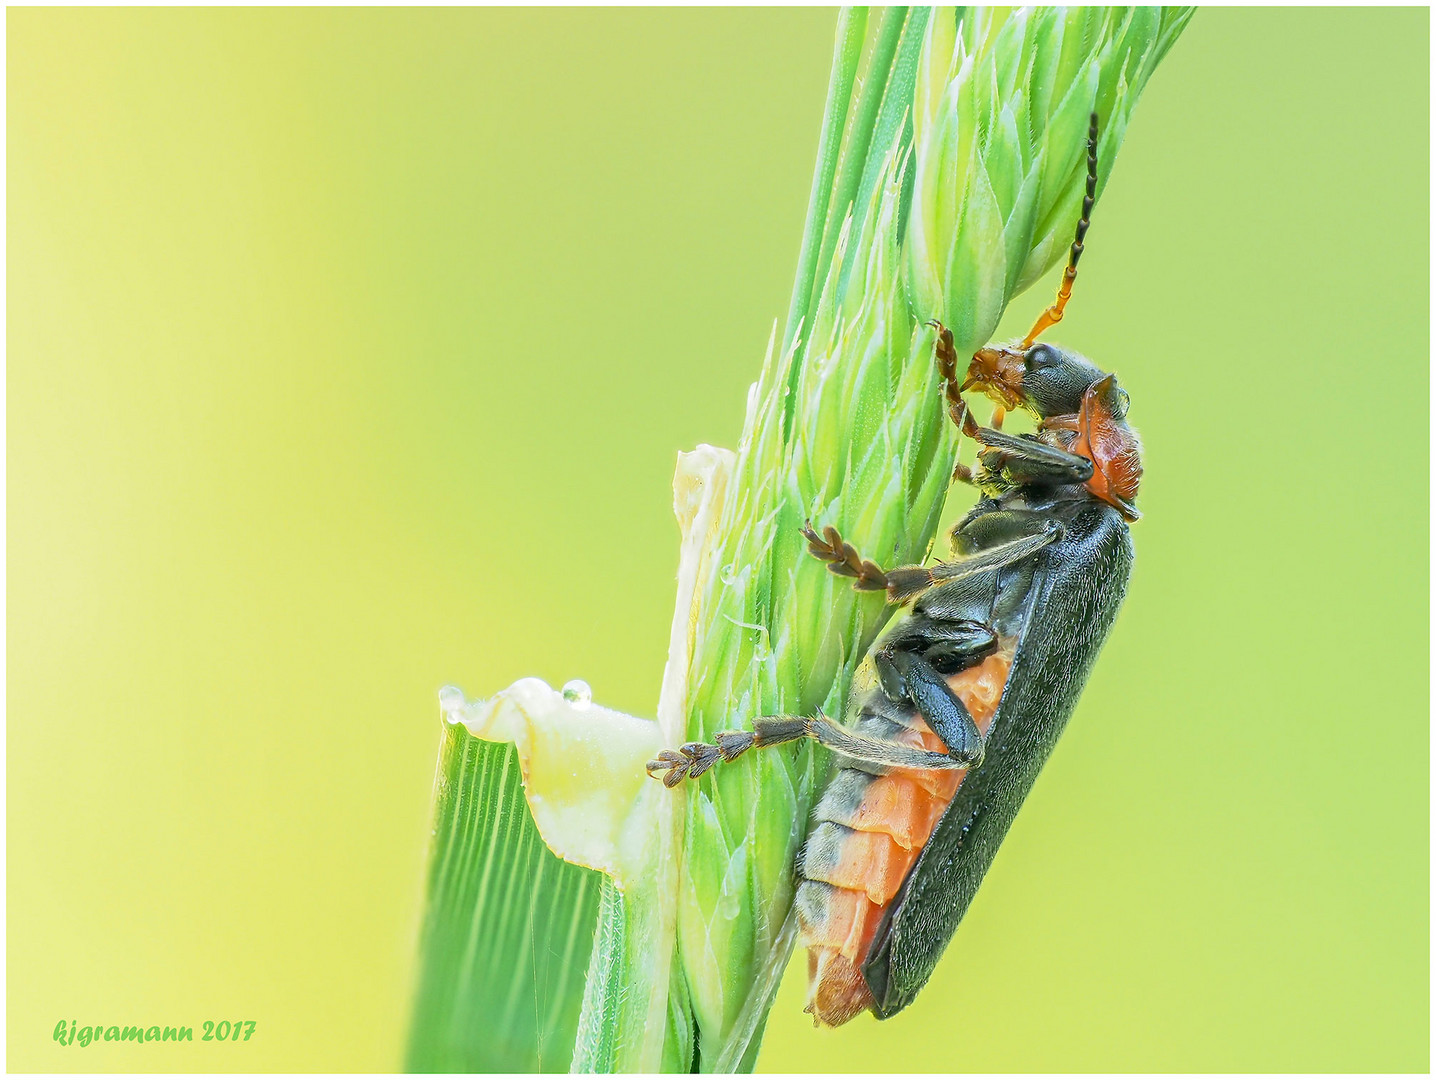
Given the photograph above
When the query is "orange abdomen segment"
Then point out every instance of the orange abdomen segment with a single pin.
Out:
(859, 861)
(897, 807)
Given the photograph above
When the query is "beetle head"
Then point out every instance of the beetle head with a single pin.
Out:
(1069, 393)
(1044, 380)
(1054, 381)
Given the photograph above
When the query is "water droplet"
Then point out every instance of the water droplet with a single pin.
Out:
(577, 692)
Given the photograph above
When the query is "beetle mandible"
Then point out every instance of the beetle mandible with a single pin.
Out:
(960, 701)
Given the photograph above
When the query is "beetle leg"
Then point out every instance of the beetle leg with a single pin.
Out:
(961, 473)
(943, 710)
(882, 752)
(1027, 461)
(692, 760)
(945, 353)
(902, 583)
(953, 644)
(907, 583)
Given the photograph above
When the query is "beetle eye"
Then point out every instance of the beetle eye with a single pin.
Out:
(1040, 356)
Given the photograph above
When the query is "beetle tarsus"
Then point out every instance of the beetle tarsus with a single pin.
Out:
(701, 758)
(945, 352)
(843, 559)
(734, 744)
(693, 759)
(672, 764)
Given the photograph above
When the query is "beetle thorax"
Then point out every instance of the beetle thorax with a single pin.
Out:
(1102, 436)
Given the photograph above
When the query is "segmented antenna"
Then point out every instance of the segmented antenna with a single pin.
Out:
(1064, 293)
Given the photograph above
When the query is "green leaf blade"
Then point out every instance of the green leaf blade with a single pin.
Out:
(507, 926)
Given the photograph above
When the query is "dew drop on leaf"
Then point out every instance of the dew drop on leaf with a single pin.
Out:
(577, 692)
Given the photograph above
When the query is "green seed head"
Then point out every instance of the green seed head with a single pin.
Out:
(968, 203)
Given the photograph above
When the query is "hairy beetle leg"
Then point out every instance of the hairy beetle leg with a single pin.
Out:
(692, 760)
(945, 352)
(901, 583)
(1027, 461)
(904, 583)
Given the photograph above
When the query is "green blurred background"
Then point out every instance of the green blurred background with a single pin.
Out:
(349, 353)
